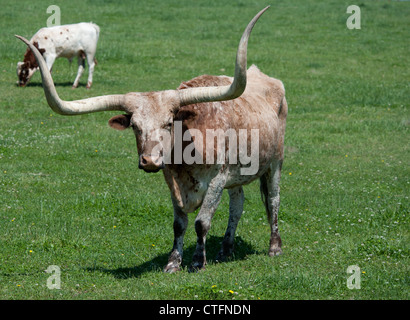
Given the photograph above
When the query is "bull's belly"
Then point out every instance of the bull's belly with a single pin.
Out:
(69, 54)
(236, 178)
(189, 184)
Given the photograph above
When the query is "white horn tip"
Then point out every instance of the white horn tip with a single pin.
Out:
(22, 39)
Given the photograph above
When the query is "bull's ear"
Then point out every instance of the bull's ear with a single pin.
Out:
(120, 122)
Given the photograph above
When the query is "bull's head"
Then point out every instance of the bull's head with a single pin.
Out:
(150, 111)
(26, 69)
(24, 73)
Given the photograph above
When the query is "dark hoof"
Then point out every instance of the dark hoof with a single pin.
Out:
(223, 257)
(196, 267)
(275, 252)
(171, 269)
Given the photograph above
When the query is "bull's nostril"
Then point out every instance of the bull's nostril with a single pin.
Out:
(144, 161)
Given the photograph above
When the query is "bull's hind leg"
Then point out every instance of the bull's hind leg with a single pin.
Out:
(269, 185)
(236, 199)
(180, 225)
(91, 64)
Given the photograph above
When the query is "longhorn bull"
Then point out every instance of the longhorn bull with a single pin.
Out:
(249, 101)
(68, 41)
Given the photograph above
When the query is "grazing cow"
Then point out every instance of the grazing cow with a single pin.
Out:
(199, 105)
(68, 41)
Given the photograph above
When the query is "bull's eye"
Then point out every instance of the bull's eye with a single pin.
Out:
(168, 125)
(135, 128)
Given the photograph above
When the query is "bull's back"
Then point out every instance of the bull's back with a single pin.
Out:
(261, 107)
(260, 103)
(68, 40)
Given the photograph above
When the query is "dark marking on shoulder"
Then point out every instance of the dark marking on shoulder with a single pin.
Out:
(29, 58)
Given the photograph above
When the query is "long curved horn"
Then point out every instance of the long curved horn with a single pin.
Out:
(102, 103)
(221, 93)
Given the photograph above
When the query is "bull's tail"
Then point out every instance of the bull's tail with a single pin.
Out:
(97, 29)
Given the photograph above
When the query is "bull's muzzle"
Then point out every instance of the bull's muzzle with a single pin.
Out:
(151, 163)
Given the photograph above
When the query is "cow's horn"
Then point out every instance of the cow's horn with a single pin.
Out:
(221, 93)
(102, 103)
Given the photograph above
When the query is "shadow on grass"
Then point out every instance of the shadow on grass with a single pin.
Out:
(57, 84)
(213, 244)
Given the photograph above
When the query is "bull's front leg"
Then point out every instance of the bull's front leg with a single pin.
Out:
(180, 225)
(203, 220)
(81, 66)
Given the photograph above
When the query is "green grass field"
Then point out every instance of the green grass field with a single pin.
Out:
(71, 194)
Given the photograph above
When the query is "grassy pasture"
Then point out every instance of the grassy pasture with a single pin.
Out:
(71, 194)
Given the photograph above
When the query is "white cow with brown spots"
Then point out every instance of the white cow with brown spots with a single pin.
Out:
(67, 41)
(249, 101)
